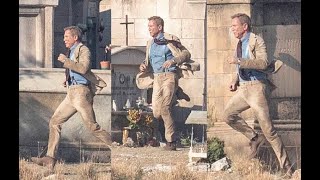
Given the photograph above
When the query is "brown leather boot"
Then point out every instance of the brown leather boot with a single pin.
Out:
(287, 171)
(170, 146)
(255, 144)
(45, 161)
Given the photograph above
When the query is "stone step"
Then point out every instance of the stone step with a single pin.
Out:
(73, 152)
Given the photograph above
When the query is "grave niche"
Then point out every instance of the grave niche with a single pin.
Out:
(125, 63)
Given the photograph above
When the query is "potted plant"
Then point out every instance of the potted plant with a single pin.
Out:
(105, 64)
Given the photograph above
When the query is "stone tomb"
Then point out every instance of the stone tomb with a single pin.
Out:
(125, 61)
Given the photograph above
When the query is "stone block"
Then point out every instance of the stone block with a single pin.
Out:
(192, 28)
(285, 108)
(144, 10)
(134, 9)
(219, 15)
(198, 102)
(188, 86)
(119, 41)
(71, 152)
(117, 9)
(138, 42)
(218, 86)
(27, 40)
(173, 26)
(119, 30)
(180, 9)
(195, 47)
(215, 108)
(127, 55)
(104, 5)
(219, 38)
(210, 87)
(282, 13)
(212, 2)
(39, 2)
(215, 62)
(163, 7)
(199, 11)
(141, 28)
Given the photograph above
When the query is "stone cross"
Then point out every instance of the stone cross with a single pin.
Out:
(126, 23)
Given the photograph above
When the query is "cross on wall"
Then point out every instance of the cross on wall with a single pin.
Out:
(126, 23)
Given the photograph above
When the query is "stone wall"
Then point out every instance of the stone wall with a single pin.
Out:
(36, 33)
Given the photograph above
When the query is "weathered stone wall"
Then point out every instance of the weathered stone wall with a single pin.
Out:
(36, 33)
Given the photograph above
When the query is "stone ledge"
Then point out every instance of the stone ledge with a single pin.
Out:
(51, 79)
(38, 2)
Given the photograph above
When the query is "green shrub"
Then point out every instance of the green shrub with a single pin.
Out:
(215, 149)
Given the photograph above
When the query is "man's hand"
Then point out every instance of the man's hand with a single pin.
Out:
(233, 86)
(233, 60)
(143, 67)
(62, 58)
(168, 63)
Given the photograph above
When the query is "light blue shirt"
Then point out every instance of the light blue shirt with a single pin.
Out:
(75, 78)
(251, 74)
(158, 55)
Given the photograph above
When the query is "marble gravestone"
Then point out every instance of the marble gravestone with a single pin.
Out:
(125, 63)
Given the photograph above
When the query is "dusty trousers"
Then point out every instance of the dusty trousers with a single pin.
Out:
(164, 87)
(78, 99)
(254, 94)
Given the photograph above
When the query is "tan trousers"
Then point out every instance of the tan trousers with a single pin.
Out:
(164, 88)
(78, 99)
(254, 94)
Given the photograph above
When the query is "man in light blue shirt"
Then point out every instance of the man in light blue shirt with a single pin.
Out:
(79, 96)
(163, 65)
(253, 64)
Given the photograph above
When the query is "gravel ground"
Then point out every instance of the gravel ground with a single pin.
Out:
(150, 159)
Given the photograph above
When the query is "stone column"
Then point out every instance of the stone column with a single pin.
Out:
(36, 33)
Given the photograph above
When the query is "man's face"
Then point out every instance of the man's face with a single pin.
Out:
(154, 29)
(69, 39)
(237, 28)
